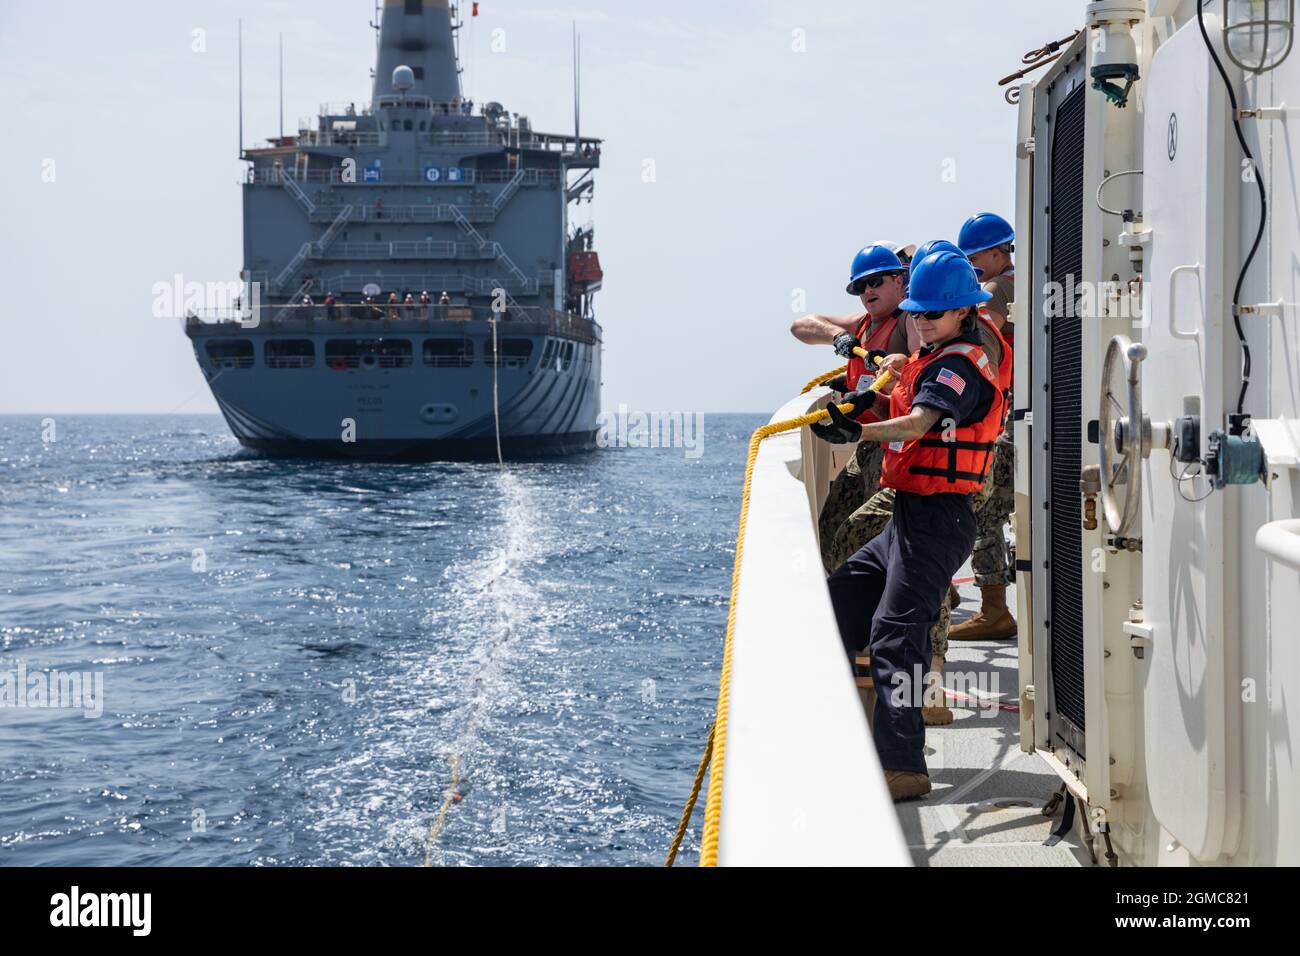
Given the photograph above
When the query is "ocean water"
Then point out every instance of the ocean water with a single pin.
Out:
(296, 656)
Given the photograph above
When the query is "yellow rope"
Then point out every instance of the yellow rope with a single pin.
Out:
(690, 804)
(442, 813)
(715, 753)
(823, 379)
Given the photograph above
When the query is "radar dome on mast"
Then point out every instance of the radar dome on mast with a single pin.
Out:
(403, 79)
(417, 34)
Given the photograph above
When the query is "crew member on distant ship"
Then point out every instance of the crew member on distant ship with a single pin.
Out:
(444, 299)
(876, 278)
(988, 241)
(940, 423)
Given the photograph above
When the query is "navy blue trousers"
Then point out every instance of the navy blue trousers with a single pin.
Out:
(887, 597)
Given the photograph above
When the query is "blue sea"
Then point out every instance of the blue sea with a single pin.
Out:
(292, 656)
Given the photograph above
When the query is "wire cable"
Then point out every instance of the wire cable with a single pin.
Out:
(1263, 209)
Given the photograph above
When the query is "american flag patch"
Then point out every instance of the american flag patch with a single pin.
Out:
(950, 378)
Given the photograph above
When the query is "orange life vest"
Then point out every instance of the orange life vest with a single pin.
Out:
(879, 339)
(1007, 365)
(934, 464)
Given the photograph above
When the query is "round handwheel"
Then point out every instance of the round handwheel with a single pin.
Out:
(1123, 432)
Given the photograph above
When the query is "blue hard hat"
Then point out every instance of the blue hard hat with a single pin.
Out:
(986, 230)
(931, 247)
(870, 261)
(941, 281)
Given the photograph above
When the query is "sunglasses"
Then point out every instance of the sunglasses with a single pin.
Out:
(931, 316)
(875, 281)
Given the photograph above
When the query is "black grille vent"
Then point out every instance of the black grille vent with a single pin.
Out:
(1065, 583)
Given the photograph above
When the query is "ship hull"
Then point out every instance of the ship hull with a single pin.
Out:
(428, 392)
(452, 449)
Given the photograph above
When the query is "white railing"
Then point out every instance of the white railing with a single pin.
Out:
(291, 184)
(1280, 540)
(287, 272)
(510, 189)
(341, 220)
(793, 703)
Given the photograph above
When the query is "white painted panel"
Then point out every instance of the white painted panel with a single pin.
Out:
(1185, 152)
(802, 785)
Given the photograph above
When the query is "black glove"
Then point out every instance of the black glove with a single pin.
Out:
(837, 384)
(840, 430)
(844, 345)
(874, 356)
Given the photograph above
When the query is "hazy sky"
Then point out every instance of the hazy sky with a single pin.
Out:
(772, 165)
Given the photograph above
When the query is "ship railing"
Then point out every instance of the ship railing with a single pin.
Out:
(341, 137)
(443, 212)
(344, 110)
(383, 316)
(274, 175)
(427, 249)
(791, 689)
(353, 286)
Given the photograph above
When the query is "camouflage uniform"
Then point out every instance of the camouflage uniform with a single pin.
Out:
(859, 480)
(993, 507)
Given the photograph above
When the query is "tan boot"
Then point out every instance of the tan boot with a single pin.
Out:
(905, 785)
(934, 709)
(993, 622)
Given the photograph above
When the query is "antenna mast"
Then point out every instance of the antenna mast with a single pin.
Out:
(241, 89)
(577, 68)
(282, 88)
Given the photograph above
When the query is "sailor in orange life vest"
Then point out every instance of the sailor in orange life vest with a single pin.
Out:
(939, 424)
(876, 278)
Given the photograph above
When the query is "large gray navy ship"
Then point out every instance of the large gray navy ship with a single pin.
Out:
(413, 285)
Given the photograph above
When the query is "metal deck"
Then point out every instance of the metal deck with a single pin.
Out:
(985, 808)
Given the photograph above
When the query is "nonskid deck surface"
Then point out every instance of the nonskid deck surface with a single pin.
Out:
(985, 808)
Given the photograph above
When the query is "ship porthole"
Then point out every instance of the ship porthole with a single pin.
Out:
(369, 361)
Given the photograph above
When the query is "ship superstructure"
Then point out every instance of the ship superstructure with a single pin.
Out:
(414, 281)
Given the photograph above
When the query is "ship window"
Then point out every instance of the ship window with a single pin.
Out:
(448, 353)
(419, 72)
(515, 353)
(407, 125)
(547, 353)
(290, 353)
(231, 353)
(343, 354)
(422, 126)
(414, 8)
(566, 356)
